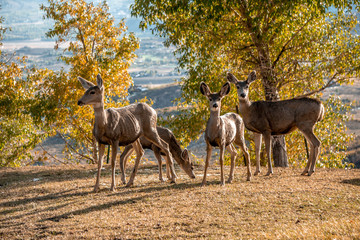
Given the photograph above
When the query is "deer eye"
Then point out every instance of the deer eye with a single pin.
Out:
(92, 92)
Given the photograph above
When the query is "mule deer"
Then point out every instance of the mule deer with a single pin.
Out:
(121, 127)
(280, 117)
(223, 131)
(181, 156)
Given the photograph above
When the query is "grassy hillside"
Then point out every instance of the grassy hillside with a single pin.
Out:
(58, 203)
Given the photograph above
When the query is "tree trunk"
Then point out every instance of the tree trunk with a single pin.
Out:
(279, 153)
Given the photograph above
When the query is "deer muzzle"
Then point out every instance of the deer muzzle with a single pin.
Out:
(80, 103)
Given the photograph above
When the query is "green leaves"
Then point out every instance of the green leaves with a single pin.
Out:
(96, 45)
(297, 47)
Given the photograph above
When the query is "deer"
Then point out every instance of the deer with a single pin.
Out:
(121, 127)
(223, 131)
(181, 156)
(280, 117)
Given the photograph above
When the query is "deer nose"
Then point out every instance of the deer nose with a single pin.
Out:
(80, 103)
(215, 105)
(242, 95)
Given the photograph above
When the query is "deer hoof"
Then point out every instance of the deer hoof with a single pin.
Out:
(268, 173)
(173, 181)
(203, 184)
(256, 173)
(229, 180)
(248, 178)
(129, 184)
(304, 173)
(96, 189)
(310, 173)
(222, 184)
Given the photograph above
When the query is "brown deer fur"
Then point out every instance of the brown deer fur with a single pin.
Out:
(181, 156)
(280, 117)
(121, 127)
(223, 131)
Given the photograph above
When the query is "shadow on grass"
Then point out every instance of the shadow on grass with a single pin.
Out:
(53, 196)
(132, 191)
(355, 181)
(16, 179)
(36, 177)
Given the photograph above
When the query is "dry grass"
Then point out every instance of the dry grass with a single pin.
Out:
(58, 203)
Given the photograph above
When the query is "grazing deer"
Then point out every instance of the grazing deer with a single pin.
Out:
(181, 156)
(121, 127)
(223, 131)
(280, 117)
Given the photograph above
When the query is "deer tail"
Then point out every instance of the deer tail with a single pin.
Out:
(322, 112)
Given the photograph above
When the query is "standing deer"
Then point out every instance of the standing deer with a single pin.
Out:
(181, 156)
(223, 131)
(280, 117)
(121, 127)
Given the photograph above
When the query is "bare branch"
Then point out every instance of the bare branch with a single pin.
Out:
(52, 156)
(284, 48)
(72, 148)
(329, 83)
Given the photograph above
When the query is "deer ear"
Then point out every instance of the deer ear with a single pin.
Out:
(225, 89)
(251, 77)
(85, 83)
(185, 154)
(231, 78)
(204, 89)
(99, 81)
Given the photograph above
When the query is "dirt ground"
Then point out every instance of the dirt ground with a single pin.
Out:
(58, 203)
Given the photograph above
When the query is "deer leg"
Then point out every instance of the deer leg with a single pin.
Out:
(243, 147)
(123, 159)
(139, 153)
(233, 153)
(157, 154)
(267, 138)
(222, 152)
(100, 162)
(257, 140)
(208, 156)
(114, 148)
(154, 138)
(314, 151)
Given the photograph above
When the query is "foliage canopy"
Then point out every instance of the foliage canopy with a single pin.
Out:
(298, 47)
(92, 44)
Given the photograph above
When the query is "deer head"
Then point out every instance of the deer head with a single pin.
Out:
(187, 165)
(214, 98)
(94, 95)
(242, 86)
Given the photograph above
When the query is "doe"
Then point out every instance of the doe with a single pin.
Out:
(280, 117)
(121, 127)
(223, 131)
(181, 156)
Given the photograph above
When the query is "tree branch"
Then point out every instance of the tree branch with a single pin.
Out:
(52, 156)
(72, 148)
(284, 48)
(329, 83)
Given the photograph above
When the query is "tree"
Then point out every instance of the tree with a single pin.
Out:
(18, 132)
(297, 47)
(92, 44)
